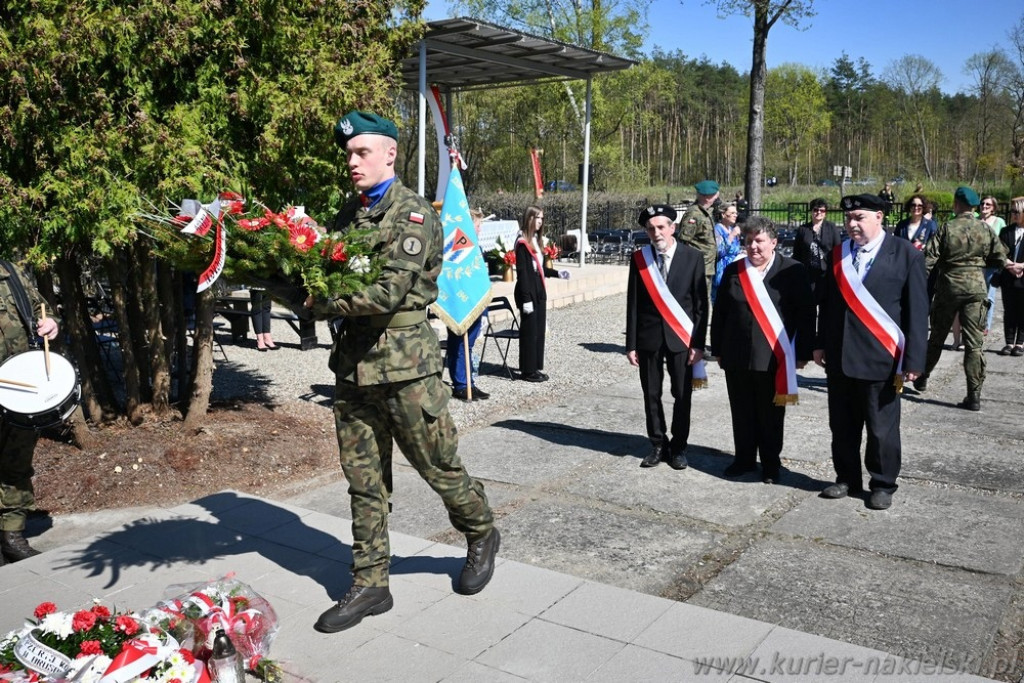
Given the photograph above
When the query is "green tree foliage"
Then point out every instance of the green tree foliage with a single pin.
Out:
(105, 103)
(795, 116)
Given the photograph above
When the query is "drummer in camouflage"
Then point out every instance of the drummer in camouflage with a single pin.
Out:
(387, 363)
(19, 300)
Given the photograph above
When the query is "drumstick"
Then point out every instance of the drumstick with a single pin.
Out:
(16, 383)
(46, 342)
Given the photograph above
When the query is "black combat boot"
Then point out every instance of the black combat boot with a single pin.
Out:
(972, 401)
(360, 601)
(479, 567)
(14, 546)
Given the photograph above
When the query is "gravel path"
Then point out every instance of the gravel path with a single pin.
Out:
(585, 349)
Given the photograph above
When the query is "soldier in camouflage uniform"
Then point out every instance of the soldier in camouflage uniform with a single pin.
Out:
(697, 227)
(387, 363)
(960, 251)
(17, 445)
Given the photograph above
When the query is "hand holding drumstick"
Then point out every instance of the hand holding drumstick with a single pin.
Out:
(47, 329)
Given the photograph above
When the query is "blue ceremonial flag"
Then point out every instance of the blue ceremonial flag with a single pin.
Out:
(464, 287)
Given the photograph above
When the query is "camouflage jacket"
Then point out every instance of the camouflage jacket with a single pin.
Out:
(960, 251)
(385, 337)
(698, 230)
(13, 335)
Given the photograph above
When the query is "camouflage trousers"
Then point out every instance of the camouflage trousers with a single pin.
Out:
(415, 415)
(16, 493)
(973, 311)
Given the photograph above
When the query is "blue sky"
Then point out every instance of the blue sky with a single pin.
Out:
(946, 32)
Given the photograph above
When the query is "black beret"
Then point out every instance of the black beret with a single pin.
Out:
(871, 202)
(359, 122)
(656, 210)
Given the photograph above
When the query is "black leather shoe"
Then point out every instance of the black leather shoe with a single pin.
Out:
(463, 394)
(14, 546)
(479, 394)
(360, 601)
(479, 564)
(653, 458)
(677, 461)
(534, 377)
(921, 384)
(738, 468)
(880, 500)
(840, 490)
(770, 476)
(971, 402)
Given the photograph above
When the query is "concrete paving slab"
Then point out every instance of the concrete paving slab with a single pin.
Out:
(988, 536)
(797, 656)
(640, 665)
(606, 545)
(442, 625)
(474, 672)
(862, 598)
(537, 652)
(614, 613)
(700, 635)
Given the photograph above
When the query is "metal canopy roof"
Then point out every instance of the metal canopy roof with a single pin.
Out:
(466, 54)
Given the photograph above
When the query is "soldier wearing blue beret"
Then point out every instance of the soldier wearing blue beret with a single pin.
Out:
(387, 364)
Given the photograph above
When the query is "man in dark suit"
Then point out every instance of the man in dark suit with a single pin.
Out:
(666, 325)
(872, 336)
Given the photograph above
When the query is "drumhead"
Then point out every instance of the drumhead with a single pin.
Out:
(30, 368)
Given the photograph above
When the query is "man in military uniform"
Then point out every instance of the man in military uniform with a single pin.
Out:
(18, 301)
(697, 227)
(387, 363)
(959, 252)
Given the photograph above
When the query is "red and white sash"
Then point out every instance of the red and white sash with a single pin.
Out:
(867, 310)
(670, 309)
(536, 259)
(770, 322)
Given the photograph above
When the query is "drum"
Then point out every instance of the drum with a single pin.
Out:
(50, 402)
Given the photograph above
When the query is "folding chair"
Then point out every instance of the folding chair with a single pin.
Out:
(506, 334)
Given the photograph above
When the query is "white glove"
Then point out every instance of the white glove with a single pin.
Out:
(528, 308)
(564, 274)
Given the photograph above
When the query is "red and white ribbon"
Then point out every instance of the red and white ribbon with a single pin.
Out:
(537, 261)
(671, 311)
(137, 656)
(770, 322)
(867, 309)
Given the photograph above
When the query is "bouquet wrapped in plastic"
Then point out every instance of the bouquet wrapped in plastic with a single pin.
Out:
(195, 613)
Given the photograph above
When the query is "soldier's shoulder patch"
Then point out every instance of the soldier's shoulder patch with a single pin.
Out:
(415, 217)
(412, 245)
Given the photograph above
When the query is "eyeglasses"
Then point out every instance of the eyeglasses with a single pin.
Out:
(820, 209)
(917, 206)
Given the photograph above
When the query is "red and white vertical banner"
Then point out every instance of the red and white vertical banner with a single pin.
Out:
(538, 182)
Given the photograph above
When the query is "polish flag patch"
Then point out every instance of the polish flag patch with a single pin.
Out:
(416, 217)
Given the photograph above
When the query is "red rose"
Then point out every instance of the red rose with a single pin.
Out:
(45, 608)
(83, 621)
(126, 625)
(101, 611)
(89, 648)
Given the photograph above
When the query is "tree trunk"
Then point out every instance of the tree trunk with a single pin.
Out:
(134, 297)
(133, 400)
(202, 383)
(755, 116)
(158, 346)
(97, 394)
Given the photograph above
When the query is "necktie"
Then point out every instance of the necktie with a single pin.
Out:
(663, 265)
(857, 253)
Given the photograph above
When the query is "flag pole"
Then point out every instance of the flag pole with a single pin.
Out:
(469, 365)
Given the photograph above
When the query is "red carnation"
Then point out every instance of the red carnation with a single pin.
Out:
(302, 238)
(89, 648)
(253, 224)
(83, 620)
(233, 207)
(338, 252)
(45, 608)
(187, 656)
(228, 195)
(126, 625)
(101, 611)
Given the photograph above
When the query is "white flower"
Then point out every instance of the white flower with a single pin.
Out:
(359, 264)
(58, 624)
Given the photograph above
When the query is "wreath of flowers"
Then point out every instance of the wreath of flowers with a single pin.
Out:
(287, 247)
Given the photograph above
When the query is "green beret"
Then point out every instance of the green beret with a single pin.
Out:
(706, 187)
(868, 202)
(360, 123)
(967, 196)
